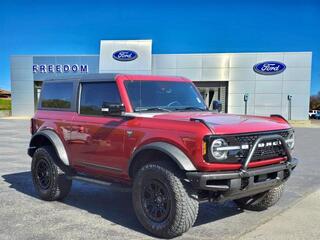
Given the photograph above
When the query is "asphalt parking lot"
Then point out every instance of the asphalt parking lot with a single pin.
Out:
(95, 212)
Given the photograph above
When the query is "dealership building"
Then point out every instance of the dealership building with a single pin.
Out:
(260, 83)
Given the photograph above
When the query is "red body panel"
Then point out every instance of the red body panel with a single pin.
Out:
(105, 140)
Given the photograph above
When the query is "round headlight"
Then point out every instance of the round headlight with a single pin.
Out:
(219, 154)
(290, 140)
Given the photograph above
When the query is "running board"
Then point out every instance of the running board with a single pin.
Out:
(117, 186)
(90, 180)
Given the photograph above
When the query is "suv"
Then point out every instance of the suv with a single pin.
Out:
(156, 135)
(313, 113)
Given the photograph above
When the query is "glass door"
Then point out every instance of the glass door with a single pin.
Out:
(211, 91)
(37, 90)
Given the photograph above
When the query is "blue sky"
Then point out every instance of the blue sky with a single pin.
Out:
(76, 27)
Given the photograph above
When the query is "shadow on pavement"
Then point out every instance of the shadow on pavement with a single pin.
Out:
(114, 205)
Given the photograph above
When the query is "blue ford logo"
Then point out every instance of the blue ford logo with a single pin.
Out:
(269, 68)
(125, 55)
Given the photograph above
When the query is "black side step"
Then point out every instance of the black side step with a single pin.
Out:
(116, 186)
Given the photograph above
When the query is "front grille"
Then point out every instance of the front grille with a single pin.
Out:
(261, 153)
(250, 139)
(268, 152)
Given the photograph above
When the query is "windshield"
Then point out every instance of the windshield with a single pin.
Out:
(164, 96)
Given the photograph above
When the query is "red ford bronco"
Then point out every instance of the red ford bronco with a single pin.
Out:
(156, 135)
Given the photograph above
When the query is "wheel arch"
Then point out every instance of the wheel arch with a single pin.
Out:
(157, 150)
(48, 137)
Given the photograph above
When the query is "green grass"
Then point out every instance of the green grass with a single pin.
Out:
(5, 104)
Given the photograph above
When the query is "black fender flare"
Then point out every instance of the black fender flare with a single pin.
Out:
(55, 141)
(179, 157)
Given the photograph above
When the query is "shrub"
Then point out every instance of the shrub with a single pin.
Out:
(5, 104)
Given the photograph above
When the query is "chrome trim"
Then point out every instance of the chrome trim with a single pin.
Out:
(229, 148)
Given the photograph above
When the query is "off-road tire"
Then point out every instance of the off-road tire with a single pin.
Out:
(183, 201)
(261, 201)
(57, 185)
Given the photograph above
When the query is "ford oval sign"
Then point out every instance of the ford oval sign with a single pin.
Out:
(269, 68)
(125, 55)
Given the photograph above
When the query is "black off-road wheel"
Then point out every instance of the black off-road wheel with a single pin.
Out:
(50, 182)
(261, 201)
(164, 204)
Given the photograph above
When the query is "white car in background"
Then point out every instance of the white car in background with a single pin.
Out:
(313, 113)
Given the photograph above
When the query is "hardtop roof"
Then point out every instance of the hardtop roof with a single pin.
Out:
(90, 76)
(111, 77)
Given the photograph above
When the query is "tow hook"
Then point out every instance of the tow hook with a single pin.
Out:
(243, 173)
(244, 179)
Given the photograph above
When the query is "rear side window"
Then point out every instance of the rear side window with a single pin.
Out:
(57, 95)
(93, 95)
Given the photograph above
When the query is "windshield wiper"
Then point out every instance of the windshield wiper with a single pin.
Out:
(152, 109)
(192, 108)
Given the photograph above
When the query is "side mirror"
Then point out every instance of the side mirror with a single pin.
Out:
(111, 109)
(217, 106)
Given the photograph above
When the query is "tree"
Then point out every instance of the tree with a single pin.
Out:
(315, 102)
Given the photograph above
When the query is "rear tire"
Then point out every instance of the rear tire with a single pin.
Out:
(261, 201)
(164, 204)
(50, 182)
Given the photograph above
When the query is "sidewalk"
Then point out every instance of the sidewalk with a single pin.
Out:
(313, 123)
(301, 221)
(16, 118)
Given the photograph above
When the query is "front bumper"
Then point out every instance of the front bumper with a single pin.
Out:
(228, 185)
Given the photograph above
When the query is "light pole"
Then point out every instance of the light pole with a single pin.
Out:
(245, 99)
(289, 107)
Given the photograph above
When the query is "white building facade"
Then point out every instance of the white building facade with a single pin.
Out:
(272, 83)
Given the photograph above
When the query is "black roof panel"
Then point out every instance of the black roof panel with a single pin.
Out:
(86, 77)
